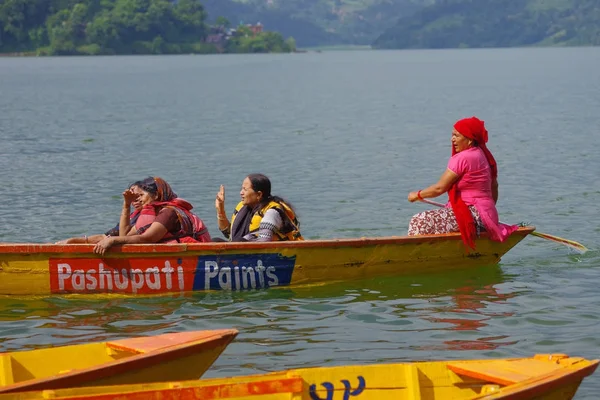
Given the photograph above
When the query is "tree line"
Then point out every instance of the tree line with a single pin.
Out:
(94, 27)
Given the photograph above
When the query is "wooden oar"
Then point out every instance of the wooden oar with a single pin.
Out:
(569, 243)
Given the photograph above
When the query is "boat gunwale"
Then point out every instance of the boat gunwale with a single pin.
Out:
(522, 390)
(29, 248)
(541, 384)
(135, 362)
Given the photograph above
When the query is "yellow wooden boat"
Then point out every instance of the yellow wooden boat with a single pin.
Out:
(183, 355)
(544, 376)
(165, 268)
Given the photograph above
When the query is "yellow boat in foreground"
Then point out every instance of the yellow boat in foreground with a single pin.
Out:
(544, 376)
(183, 355)
(42, 269)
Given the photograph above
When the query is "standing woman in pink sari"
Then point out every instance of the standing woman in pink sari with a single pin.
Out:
(471, 181)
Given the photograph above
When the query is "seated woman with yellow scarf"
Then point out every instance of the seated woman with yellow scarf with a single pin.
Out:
(259, 216)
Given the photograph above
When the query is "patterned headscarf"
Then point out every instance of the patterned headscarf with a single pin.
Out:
(165, 193)
(159, 188)
(163, 190)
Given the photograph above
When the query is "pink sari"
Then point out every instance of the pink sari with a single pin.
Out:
(475, 188)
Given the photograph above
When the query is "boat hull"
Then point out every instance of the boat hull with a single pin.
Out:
(183, 355)
(42, 269)
(545, 377)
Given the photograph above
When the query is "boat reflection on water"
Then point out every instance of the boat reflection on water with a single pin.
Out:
(471, 313)
(458, 301)
(398, 287)
(458, 304)
(51, 321)
(470, 308)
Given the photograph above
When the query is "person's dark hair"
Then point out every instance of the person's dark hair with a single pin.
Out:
(261, 183)
(148, 185)
(134, 184)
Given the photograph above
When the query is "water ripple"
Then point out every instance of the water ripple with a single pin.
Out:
(347, 136)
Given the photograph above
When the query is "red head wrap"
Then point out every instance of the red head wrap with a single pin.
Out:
(474, 129)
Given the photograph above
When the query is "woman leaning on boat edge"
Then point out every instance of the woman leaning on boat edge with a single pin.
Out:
(164, 218)
(471, 181)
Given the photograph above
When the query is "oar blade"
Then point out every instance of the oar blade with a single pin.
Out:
(570, 243)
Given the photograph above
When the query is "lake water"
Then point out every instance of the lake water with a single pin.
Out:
(344, 136)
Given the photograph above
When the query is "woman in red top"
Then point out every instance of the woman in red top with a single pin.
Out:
(164, 218)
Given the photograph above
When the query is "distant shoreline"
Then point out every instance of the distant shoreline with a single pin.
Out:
(337, 47)
(19, 54)
(312, 49)
(300, 50)
(34, 54)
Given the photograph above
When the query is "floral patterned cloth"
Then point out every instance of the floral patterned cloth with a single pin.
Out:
(438, 221)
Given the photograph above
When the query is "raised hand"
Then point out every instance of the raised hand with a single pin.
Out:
(220, 200)
(129, 197)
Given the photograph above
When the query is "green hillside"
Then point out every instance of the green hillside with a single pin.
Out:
(318, 22)
(497, 23)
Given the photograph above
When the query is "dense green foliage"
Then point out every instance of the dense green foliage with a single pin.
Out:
(117, 27)
(497, 23)
(319, 22)
(243, 41)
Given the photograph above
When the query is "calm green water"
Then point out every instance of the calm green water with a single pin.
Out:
(345, 136)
